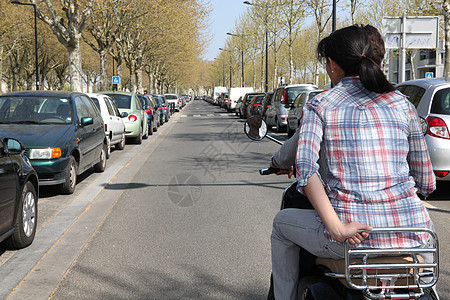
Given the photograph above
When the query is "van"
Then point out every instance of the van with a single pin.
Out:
(234, 95)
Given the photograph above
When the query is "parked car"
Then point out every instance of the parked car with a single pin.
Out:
(431, 97)
(63, 133)
(148, 106)
(163, 105)
(266, 103)
(276, 114)
(174, 101)
(235, 94)
(255, 107)
(114, 126)
(246, 102)
(136, 124)
(19, 192)
(296, 110)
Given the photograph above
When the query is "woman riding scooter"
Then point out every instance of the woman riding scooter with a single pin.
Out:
(372, 143)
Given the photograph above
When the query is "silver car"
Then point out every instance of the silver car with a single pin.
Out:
(431, 97)
(276, 114)
(296, 109)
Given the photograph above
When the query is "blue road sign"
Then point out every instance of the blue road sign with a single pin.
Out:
(429, 75)
(116, 79)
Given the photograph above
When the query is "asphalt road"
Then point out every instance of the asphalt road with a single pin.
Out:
(185, 215)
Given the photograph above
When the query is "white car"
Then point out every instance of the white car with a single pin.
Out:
(114, 126)
(174, 98)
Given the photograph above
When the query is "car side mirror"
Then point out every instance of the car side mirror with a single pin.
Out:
(86, 121)
(13, 146)
(124, 114)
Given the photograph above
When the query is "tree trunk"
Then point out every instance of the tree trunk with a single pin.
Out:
(75, 69)
(1, 69)
(103, 71)
(138, 74)
(446, 11)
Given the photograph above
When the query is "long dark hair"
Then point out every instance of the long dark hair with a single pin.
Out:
(351, 49)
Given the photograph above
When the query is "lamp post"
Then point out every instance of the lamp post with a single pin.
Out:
(221, 49)
(242, 55)
(266, 88)
(35, 39)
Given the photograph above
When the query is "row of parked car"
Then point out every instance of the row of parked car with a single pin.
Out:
(283, 108)
(51, 137)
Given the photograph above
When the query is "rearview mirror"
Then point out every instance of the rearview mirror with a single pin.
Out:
(255, 128)
(13, 146)
(86, 121)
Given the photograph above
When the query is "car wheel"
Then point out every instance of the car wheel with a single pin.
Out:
(121, 145)
(26, 222)
(150, 130)
(108, 147)
(138, 139)
(68, 187)
(166, 118)
(101, 165)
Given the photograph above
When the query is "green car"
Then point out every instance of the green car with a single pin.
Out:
(62, 132)
(136, 123)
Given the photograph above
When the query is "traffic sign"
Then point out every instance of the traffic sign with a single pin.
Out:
(115, 79)
(429, 75)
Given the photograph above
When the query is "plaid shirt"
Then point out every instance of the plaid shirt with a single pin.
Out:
(376, 157)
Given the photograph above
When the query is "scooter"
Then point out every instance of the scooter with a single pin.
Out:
(364, 274)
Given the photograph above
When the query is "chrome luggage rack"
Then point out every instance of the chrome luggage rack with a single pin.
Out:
(398, 273)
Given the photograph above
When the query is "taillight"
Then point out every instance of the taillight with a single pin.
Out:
(437, 128)
(149, 111)
(441, 173)
(255, 104)
(159, 108)
(165, 108)
(106, 127)
(283, 97)
(132, 118)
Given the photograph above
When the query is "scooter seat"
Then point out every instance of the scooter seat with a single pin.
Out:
(337, 267)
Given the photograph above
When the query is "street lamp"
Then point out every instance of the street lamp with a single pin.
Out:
(35, 39)
(242, 55)
(221, 49)
(266, 88)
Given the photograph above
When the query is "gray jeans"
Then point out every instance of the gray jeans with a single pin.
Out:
(294, 229)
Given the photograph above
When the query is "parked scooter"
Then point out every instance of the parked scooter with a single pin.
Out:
(363, 273)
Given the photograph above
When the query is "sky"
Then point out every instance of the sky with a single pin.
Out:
(223, 16)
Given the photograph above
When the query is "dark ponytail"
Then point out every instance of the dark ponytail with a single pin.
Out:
(351, 49)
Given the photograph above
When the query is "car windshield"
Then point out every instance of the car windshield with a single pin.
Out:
(171, 96)
(35, 110)
(292, 93)
(441, 102)
(121, 101)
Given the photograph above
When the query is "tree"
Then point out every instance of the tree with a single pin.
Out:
(68, 30)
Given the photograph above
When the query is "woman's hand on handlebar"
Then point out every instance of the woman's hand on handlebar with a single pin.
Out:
(289, 172)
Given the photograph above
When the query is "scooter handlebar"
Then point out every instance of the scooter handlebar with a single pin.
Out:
(268, 171)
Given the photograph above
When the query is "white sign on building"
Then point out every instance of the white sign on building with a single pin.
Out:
(410, 33)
